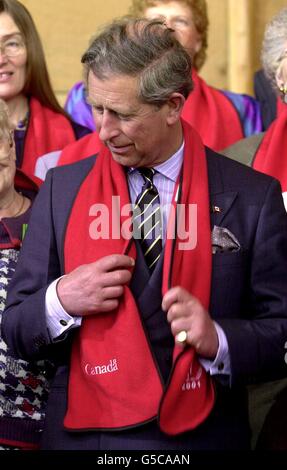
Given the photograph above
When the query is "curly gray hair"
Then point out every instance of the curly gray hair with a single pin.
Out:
(274, 46)
(6, 128)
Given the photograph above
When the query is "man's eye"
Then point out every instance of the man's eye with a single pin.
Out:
(98, 109)
(124, 117)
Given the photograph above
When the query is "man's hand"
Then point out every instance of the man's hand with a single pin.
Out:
(185, 313)
(95, 287)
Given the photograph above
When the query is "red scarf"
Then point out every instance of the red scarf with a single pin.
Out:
(47, 131)
(22, 183)
(206, 109)
(271, 156)
(280, 106)
(114, 382)
(212, 115)
(83, 148)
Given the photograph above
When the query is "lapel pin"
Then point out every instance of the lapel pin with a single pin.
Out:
(216, 209)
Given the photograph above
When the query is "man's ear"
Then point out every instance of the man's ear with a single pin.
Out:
(175, 105)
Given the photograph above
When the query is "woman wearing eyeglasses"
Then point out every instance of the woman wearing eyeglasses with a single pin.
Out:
(41, 125)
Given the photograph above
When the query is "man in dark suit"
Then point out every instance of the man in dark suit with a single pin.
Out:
(146, 329)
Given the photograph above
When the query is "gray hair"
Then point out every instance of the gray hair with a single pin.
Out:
(6, 127)
(274, 45)
(145, 49)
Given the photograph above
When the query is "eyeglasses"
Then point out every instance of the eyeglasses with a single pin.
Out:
(12, 47)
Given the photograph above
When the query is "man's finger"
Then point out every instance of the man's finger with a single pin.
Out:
(179, 310)
(181, 338)
(176, 294)
(113, 292)
(115, 261)
(116, 278)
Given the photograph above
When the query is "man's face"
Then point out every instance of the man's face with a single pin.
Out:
(178, 16)
(137, 134)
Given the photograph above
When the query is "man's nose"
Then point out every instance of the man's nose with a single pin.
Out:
(108, 126)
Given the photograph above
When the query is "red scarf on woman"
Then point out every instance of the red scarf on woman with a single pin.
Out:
(22, 184)
(271, 156)
(212, 115)
(47, 131)
(114, 382)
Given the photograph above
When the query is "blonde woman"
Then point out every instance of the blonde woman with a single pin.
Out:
(23, 386)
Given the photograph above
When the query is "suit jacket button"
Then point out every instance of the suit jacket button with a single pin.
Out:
(63, 322)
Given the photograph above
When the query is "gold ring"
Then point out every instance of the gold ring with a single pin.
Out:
(181, 337)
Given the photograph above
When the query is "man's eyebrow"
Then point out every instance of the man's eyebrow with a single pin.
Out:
(89, 101)
(111, 109)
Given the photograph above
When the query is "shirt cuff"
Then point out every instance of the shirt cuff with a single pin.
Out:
(58, 320)
(221, 364)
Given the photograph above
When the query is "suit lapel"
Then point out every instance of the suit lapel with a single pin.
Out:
(221, 199)
(220, 206)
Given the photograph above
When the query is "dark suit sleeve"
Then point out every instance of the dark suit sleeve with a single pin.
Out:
(24, 325)
(257, 340)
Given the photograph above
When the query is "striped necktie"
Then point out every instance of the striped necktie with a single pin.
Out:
(147, 219)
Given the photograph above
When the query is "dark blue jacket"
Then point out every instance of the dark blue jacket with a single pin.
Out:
(248, 300)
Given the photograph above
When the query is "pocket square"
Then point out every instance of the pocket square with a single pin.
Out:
(223, 240)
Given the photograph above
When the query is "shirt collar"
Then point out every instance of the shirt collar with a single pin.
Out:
(171, 167)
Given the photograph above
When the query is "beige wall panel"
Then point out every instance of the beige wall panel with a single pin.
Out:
(215, 71)
(215, 68)
(240, 54)
(66, 26)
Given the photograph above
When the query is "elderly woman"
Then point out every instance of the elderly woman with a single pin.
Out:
(220, 117)
(270, 155)
(266, 151)
(23, 386)
(41, 126)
